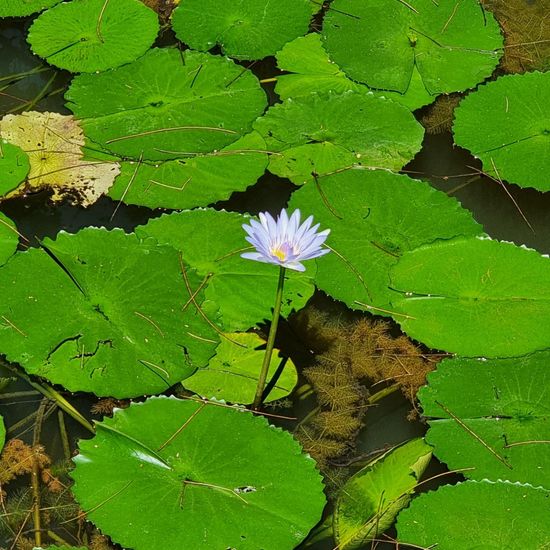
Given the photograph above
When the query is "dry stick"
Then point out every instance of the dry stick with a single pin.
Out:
(474, 435)
(174, 129)
(99, 21)
(499, 180)
(192, 299)
(14, 544)
(531, 442)
(369, 307)
(127, 187)
(35, 474)
(182, 427)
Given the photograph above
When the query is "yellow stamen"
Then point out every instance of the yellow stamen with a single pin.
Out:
(280, 254)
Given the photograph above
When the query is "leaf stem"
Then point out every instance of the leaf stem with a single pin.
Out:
(270, 340)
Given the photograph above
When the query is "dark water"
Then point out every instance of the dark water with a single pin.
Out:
(448, 168)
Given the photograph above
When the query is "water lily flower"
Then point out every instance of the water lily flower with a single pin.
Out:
(285, 242)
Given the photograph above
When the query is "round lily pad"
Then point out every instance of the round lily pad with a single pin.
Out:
(168, 105)
(93, 35)
(322, 133)
(375, 217)
(198, 475)
(506, 123)
(105, 315)
(8, 238)
(485, 514)
(212, 242)
(14, 166)
(245, 29)
(313, 71)
(475, 297)
(478, 412)
(232, 374)
(19, 8)
(453, 45)
(198, 180)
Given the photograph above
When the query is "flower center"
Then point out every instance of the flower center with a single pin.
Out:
(281, 251)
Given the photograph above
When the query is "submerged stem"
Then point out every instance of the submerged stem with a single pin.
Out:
(270, 340)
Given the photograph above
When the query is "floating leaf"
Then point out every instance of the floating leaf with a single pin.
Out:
(506, 122)
(168, 104)
(22, 8)
(211, 242)
(8, 238)
(93, 35)
(475, 297)
(474, 514)
(104, 316)
(369, 501)
(196, 181)
(374, 217)
(313, 71)
(479, 410)
(232, 374)
(324, 133)
(453, 45)
(196, 475)
(54, 145)
(245, 29)
(14, 166)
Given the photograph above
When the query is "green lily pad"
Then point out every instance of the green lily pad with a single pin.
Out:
(453, 45)
(9, 238)
(196, 181)
(244, 29)
(476, 409)
(167, 105)
(104, 316)
(93, 35)
(506, 122)
(371, 499)
(375, 217)
(211, 242)
(22, 8)
(14, 166)
(485, 514)
(198, 475)
(313, 71)
(474, 297)
(319, 134)
(232, 374)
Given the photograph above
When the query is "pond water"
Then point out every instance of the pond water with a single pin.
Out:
(507, 212)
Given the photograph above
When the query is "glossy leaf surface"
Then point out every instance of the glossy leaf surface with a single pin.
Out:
(491, 417)
(475, 514)
(105, 315)
(197, 475)
(93, 35)
(475, 297)
(167, 105)
(375, 217)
